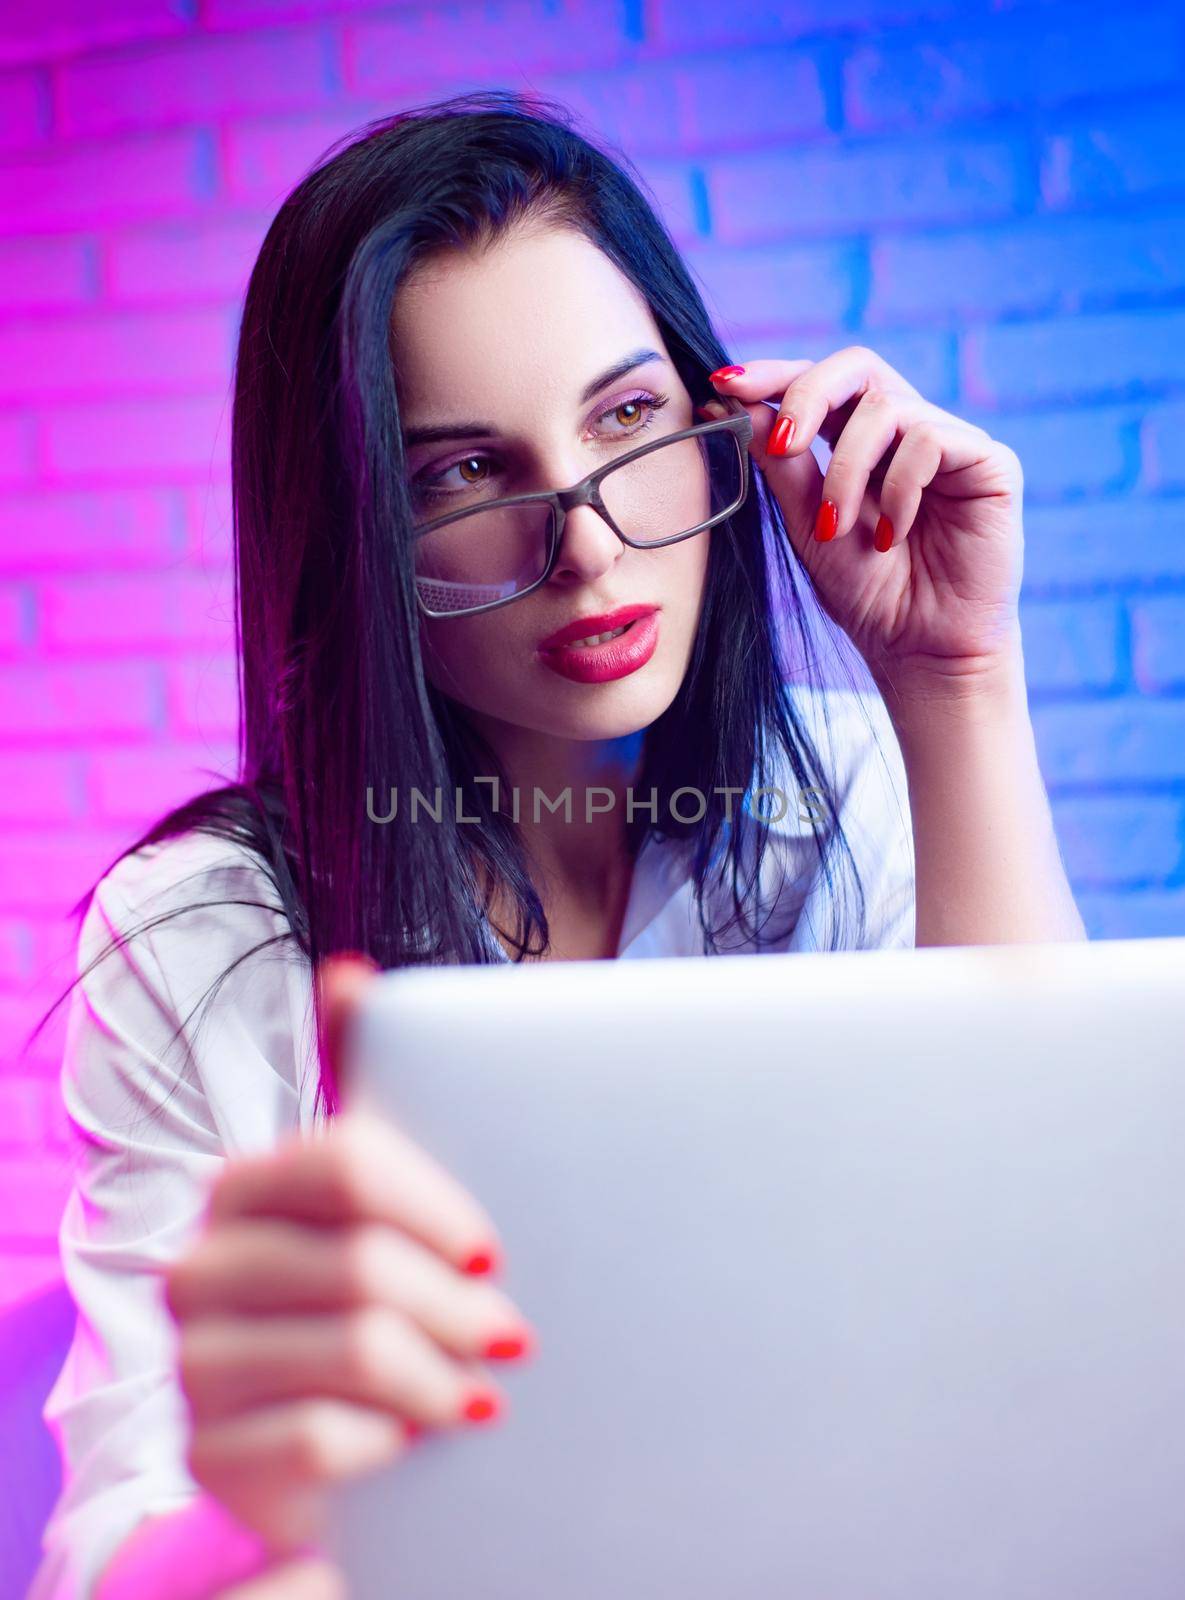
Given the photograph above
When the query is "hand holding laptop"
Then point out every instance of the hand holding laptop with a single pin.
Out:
(329, 1310)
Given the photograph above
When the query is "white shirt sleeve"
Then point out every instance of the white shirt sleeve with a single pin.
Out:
(152, 1123)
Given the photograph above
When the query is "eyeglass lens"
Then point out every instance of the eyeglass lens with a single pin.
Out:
(497, 551)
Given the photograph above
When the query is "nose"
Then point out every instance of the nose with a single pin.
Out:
(588, 547)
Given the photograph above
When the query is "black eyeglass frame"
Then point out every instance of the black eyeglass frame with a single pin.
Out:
(588, 493)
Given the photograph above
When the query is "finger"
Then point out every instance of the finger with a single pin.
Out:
(374, 1356)
(265, 1265)
(871, 431)
(754, 382)
(365, 1169)
(759, 379)
(810, 394)
(929, 446)
(295, 1442)
(271, 1466)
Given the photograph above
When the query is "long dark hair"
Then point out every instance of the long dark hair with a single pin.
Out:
(333, 697)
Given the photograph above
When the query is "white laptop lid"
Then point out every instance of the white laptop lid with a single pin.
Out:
(857, 1276)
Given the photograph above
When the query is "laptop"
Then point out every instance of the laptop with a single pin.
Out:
(857, 1275)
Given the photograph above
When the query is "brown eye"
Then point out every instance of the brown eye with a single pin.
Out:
(634, 414)
(468, 462)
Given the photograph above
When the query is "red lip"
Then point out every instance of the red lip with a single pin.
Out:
(583, 627)
(618, 657)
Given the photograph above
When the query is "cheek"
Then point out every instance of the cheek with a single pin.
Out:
(695, 567)
(443, 655)
(461, 653)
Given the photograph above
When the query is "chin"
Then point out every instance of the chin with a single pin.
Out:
(612, 710)
(567, 710)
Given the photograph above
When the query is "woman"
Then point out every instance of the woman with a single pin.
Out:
(471, 305)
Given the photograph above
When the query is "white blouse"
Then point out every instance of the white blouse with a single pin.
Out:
(152, 1129)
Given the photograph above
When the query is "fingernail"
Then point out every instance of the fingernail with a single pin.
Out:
(480, 1262)
(827, 520)
(510, 1345)
(883, 538)
(722, 373)
(781, 438)
(481, 1407)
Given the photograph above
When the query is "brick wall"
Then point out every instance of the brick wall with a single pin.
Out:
(990, 196)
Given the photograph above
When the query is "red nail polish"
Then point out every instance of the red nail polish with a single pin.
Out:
(883, 538)
(827, 521)
(508, 1346)
(412, 1431)
(480, 1262)
(724, 373)
(480, 1408)
(781, 438)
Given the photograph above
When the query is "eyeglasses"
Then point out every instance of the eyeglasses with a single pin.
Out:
(492, 553)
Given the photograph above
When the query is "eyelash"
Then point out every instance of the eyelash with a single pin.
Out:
(425, 487)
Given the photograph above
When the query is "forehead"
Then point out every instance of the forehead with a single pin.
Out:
(532, 316)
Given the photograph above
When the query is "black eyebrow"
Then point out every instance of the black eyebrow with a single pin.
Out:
(487, 430)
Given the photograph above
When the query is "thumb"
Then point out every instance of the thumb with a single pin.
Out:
(342, 977)
(310, 1577)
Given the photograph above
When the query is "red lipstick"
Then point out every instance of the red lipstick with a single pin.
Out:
(615, 658)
